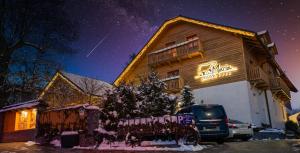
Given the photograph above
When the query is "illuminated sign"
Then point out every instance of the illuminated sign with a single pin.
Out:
(212, 70)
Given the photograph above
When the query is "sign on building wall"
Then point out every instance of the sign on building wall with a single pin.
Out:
(213, 70)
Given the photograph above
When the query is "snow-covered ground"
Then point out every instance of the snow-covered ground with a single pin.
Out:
(30, 143)
(272, 130)
(147, 145)
(55, 143)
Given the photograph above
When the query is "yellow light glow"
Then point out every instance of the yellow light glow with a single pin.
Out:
(53, 80)
(180, 18)
(212, 70)
(25, 119)
(24, 114)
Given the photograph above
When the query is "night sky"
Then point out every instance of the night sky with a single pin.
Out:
(112, 30)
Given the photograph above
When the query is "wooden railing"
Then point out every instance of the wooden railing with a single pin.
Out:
(176, 52)
(257, 75)
(173, 83)
(280, 87)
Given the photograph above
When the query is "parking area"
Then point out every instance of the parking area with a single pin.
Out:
(262, 146)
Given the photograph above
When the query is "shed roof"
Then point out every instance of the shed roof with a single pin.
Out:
(22, 105)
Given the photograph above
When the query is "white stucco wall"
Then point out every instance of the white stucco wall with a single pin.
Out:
(243, 102)
(233, 96)
(276, 111)
(258, 106)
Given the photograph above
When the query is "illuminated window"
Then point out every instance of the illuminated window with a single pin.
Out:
(25, 119)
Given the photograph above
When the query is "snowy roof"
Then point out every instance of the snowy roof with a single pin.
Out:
(22, 105)
(86, 83)
(262, 32)
(271, 45)
(85, 106)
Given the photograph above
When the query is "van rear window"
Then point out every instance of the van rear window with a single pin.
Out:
(214, 112)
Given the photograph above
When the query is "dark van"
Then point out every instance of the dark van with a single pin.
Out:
(211, 121)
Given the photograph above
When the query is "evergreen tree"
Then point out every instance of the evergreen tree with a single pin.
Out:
(127, 94)
(187, 96)
(153, 99)
(112, 105)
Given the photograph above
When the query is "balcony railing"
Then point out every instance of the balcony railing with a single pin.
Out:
(280, 88)
(173, 84)
(176, 52)
(258, 77)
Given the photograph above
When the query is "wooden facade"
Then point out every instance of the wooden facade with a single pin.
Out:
(9, 131)
(65, 119)
(184, 45)
(9, 120)
(223, 47)
(18, 122)
(58, 110)
(61, 92)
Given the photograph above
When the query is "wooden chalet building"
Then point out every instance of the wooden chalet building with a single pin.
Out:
(62, 99)
(223, 65)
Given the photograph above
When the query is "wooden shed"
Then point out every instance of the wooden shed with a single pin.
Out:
(18, 121)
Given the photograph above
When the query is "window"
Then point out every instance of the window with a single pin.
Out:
(193, 44)
(25, 119)
(173, 73)
(173, 50)
(191, 37)
(209, 112)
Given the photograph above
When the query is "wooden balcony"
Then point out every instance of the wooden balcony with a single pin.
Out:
(258, 77)
(175, 53)
(280, 89)
(173, 84)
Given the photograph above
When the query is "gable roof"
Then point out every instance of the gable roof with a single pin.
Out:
(242, 32)
(167, 23)
(80, 83)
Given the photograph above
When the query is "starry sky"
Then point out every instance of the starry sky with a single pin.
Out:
(111, 30)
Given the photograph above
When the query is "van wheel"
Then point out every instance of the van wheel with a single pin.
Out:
(245, 139)
(192, 139)
(221, 141)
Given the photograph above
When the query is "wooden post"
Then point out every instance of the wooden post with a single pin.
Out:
(1, 125)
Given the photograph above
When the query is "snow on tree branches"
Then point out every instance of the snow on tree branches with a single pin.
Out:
(147, 99)
(153, 98)
(187, 96)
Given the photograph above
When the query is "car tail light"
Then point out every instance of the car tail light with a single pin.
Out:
(232, 126)
(226, 120)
